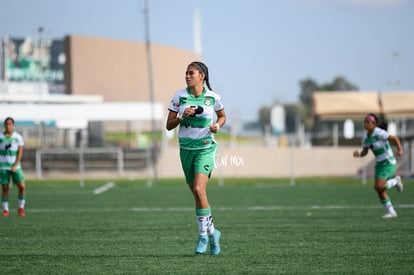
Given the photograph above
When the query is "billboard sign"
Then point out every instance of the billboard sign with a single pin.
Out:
(33, 60)
(277, 119)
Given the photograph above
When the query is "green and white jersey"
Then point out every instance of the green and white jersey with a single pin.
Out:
(194, 132)
(378, 143)
(9, 146)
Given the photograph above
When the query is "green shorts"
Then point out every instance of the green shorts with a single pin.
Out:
(17, 177)
(198, 161)
(385, 170)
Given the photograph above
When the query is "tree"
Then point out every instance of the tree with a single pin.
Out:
(293, 112)
(264, 117)
(309, 86)
(339, 84)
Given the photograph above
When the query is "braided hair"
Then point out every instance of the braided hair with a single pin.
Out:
(383, 124)
(202, 68)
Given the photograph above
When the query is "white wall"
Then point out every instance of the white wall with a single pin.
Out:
(258, 161)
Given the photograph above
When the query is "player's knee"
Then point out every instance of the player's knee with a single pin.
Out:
(198, 191)
(379, 188)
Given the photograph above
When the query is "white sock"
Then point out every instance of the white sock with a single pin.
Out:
(210, 229)
(202, 222)
(388, 206)
(205, 225)
(391, 183)
(5, 205)
(21, 203)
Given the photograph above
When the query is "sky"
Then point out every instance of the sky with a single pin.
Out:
(257, 51)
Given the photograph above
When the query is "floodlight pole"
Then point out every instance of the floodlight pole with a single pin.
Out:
(2, 58)
(151, 94)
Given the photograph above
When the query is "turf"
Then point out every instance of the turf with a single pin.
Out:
(317, 226)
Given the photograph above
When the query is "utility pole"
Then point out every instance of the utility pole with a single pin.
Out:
(151, 95)
(395, 82)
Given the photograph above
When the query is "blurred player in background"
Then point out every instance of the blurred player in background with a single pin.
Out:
(193, 109)
(378, 140)
(11, 153)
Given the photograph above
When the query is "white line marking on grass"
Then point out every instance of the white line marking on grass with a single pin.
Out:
(161, 209)
(321, 207)
(104, 188)
(189, 209)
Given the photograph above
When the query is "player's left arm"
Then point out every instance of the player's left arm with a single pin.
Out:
(221, 120)
(397, 142)
(18, 158)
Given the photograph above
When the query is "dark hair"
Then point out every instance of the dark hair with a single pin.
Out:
(383, 124)
(9, 118)
(202, 68)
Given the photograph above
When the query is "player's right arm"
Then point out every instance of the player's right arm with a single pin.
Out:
(361, 154)
(172, 120)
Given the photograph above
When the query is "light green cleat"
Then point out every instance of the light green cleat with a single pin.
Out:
(215, 242)
(202, 243)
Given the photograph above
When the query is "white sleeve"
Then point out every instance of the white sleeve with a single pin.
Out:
(218, 106)
(174, 103)
(20, 141)
(383, 134)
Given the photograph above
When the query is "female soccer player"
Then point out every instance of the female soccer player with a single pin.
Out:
(377, 140)
(193, 109)
(11, 153)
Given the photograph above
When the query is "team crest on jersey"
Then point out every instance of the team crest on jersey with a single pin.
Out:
(205, 142)
(207, 101)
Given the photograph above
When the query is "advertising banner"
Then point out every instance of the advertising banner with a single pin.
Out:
(33, 60)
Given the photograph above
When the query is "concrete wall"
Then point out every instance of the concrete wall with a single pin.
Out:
(244, 162)
(118, 70)
(258, 161)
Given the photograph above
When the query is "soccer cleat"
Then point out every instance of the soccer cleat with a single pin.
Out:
(390, 215)
(399, 186)
(5, 213)
(21, 212)
(202, 243)
(215, 242)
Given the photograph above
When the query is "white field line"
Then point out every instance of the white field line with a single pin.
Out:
(104, 188)
(187, 209)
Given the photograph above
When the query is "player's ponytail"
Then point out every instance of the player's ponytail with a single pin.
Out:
(383, 122)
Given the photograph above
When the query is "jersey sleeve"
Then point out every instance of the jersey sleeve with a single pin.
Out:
(174, 103)
(20, 141)
(383, 134)
(218, 106)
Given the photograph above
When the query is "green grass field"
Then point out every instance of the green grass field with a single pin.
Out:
(317, 226)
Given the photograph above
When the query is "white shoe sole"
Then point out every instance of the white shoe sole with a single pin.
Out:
(389, 216)
(399, 186)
